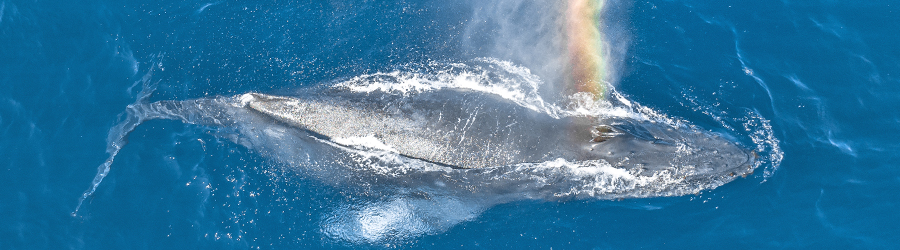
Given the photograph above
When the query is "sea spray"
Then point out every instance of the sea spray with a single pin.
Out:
(585, 45)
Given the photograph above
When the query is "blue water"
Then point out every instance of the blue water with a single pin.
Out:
(823, 75)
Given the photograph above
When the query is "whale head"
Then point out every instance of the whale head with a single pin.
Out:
(648, 148)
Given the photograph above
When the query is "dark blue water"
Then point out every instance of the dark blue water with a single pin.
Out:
(823, 75)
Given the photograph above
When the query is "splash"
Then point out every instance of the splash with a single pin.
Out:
(585, 45)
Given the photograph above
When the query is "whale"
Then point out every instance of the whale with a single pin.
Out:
(458, 130)
(446, 150)
(468, 129)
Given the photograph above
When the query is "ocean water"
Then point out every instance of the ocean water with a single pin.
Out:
(812, 86)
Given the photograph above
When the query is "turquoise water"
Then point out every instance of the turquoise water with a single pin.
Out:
(822, 75)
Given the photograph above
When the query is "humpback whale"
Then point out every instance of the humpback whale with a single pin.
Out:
(445, 154)
(460, 131)
(468, 129)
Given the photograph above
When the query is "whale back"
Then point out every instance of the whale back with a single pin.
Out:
(463, 129)
(469, 129)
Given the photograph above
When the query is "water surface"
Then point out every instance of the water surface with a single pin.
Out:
(821, 75)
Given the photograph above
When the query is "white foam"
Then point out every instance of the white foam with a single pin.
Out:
(369, 141)
(246, 99)
(397, 218)
(599, 179)
(501, 78)
(486, 75)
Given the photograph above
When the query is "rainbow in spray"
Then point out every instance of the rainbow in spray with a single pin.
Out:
(585, 45)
